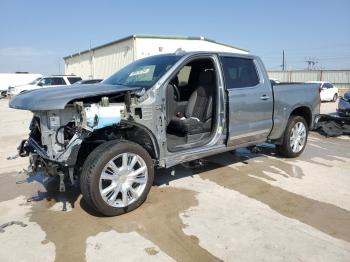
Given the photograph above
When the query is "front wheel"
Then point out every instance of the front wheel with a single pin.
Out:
(295, 137)
(117, 177)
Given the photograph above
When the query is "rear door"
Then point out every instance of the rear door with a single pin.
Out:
(249, 98)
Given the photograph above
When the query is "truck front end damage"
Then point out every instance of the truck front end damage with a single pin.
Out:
(56, 136)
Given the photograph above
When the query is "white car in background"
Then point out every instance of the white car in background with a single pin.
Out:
(328, 92)
(15, 79)
(44, 82)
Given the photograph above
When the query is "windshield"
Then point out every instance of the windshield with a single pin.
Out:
(35, 81)
(144, 72)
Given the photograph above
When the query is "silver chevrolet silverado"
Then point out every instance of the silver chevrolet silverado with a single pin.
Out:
(158, 112)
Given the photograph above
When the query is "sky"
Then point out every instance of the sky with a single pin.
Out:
(35, 35)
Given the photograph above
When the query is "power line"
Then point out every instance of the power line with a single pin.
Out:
(311, 63)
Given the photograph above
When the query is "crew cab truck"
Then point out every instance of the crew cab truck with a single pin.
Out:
(158, 112)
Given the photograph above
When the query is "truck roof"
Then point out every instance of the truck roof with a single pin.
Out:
(61, 75)
(185, 53)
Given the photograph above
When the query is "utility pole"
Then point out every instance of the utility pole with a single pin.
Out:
(283, 62)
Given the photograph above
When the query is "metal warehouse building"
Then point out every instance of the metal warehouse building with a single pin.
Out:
(104, 60)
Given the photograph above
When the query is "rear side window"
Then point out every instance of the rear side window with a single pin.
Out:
(52, 81)
(57, 81)
(73, 80)
(239, 72)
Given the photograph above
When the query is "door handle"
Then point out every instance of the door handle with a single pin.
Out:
(264, 97)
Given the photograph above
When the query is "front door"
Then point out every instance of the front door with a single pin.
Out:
(250, 101)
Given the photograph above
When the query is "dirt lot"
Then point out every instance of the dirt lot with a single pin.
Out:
(238, 207)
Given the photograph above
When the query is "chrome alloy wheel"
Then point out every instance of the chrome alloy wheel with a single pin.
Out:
(298, 137)
(123, 180)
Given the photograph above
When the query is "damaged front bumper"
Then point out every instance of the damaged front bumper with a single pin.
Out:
(68, 157)
(39, 160)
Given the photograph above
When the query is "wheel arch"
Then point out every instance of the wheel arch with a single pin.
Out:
(144, 137)
(131, 131)
(304, 112)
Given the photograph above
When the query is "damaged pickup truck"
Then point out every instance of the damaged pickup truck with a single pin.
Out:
(158, 112)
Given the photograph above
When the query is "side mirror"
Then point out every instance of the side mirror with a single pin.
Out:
(40, 84)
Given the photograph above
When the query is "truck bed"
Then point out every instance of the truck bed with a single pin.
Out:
(287, 97)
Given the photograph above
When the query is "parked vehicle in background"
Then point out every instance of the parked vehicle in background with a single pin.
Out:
(328, 92)
(44, 82)
(15, 79)
(160, 111)
(90, 81)
(344, 105)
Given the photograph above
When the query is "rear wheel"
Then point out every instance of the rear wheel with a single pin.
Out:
(295, 137)
(117, 177)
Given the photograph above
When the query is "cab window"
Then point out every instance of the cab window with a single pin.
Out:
(239, 72)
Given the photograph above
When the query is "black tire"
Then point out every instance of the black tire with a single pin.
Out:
(91, 173)
(335, 98)
(285, 148)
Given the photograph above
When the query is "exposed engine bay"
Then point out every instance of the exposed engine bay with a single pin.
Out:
(56, 135)
(57, 131)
